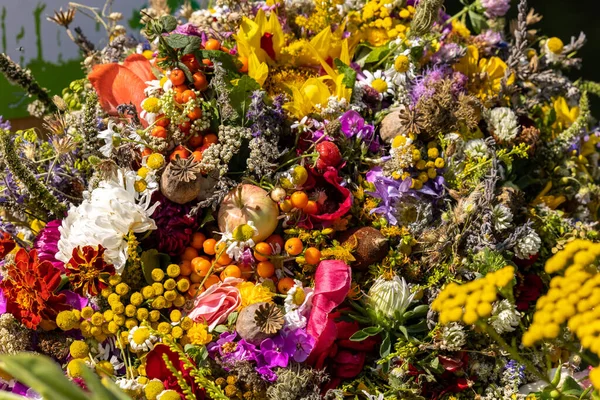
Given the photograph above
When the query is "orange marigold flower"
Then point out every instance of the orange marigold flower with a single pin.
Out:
(7, 244)
(87, 271)
(29, 286)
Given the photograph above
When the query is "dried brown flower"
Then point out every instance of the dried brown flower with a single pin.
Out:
(63, 18)
(269, 318)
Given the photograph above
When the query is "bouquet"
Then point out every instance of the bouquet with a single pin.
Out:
(304, 200)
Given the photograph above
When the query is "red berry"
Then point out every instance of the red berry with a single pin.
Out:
(329, 155)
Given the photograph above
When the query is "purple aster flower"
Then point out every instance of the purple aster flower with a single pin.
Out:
(447, 53)
(495, 8)
(353, 126)
(389, 191)
(301, 342)
(4, 124)
(267, 373)
(46, 244)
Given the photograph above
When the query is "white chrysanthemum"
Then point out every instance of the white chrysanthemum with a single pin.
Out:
(477, 148)
(528, 245)
(505, 317)
(106, 217)
(130, 385)
(504, 123)
(141, 339)
(297, 304)
(389, 298)
(501, 217)
(379, 81)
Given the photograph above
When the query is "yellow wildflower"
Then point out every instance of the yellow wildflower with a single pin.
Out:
(198, 334)
(252, 293)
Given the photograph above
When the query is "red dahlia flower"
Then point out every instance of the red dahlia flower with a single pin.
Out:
(156, 368)
(29, 286)
(87, 270)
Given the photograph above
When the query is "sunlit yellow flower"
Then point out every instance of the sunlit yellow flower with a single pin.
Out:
(485, 74)
(261, 36)
(565, 115)
(551, 201)
(252, 294)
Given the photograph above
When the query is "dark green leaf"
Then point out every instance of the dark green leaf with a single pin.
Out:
(240, 94)
(168, 23)
(349, 73)
(386, 346)
(164, 260)
(225, 59)
(404, 331)
(373, 330)
(377, 54)
(359, 336)
(208, 217)
(571, 387)
(178, 41)
(150, 260)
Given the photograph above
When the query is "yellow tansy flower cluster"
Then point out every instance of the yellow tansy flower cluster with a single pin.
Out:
(473, 300)
(573, 298)
(406, 155)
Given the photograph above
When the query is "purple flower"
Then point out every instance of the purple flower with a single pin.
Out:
(5, 125)
(447, 53)
(188, 30)
(276, 352)
(46, 244)
(389, 191)
(353, 126)
(495, 8)
(230, 350)
(301, 342)
(267, 373)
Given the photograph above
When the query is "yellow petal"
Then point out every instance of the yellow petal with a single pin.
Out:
(257, 70)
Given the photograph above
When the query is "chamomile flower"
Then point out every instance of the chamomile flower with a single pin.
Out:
(109, 135)
(402, 70)
(379, 81)
(156, 87)
(239, 239)
(297, 304)
(141, 339)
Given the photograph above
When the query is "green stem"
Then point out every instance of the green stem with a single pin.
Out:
(459, 14)
(512, 351)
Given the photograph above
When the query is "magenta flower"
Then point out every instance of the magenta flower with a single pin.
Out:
(46, 244)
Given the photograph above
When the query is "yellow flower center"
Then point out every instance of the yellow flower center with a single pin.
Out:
(399, 141)
(299, 296)
(401, 64)
(555, 45)
(155, 161)
(151, 105)
(140, 336)
(380, 85)
(243, 232)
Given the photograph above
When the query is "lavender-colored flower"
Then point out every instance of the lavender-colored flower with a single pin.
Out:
(276, 352)
(495, 8)
(447, 53)
(389, 191)
(353, 126)
(188, 30)
(231, 351)
(46, 244)
(4, 124)
(515, 370)
(267, 373)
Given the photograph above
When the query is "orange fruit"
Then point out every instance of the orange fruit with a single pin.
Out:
(190, 61)
(262, 251)
(201, 266)
(188, 95)
(189, 253)
(246, 270)
(163, 121)
(195, 114)
(231, 271)
(286, 206)
(159, 132)
(285, 284)
(211, 280)
(224, 259)
(265, 269)
(177, 77)
(209, 246)
(185, 126)
(299, 199)
(180, 151)
(198, 239)
(200, 82)
(210, 138)
(186, 267)
(244, 61)
(197, 155)
(195, 140)
(293, 246)
(212, 44)
(146, 152)
(194, 289)
(311, 208)
(312, 255)
(195, 278)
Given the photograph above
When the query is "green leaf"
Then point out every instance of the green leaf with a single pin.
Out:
(373, 330)
(220, 329)
(386, 346)
(403, 330)
(571, 387)
(478, 21)
(177, 40)
(365, 333)
(150, 260)
(240, 94)
(232, 318)
(349, 73)
(377, 54)
(164, 260)
(42, 374)
(359, 336)
(208, 217)
(168, 22)
(99, 391)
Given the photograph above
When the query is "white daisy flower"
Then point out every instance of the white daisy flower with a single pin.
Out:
(239, 239)
(402, 70)
(141, 339)
(297, 304)
(109, 135)
(379, 81)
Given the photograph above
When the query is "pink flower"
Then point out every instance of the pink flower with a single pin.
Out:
(216, 303)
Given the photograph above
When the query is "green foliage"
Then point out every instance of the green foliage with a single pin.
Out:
(47, 378)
